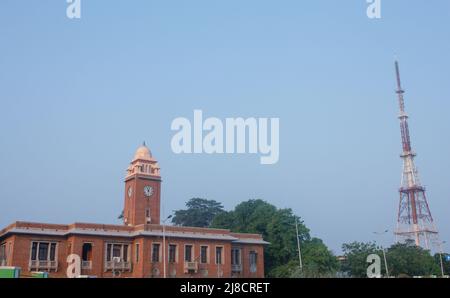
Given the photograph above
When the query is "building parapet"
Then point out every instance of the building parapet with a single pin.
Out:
(131, 232)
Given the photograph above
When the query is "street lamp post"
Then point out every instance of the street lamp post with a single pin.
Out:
(298, 247)
(164, 244)
(384, 252)
(440, 257)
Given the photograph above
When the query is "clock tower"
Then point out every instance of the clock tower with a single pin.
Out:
(142, 189)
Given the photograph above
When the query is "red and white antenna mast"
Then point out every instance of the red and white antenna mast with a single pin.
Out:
(414, 217)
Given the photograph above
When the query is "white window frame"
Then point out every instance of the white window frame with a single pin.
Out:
(250, 261)
(5, 255)
(122, 244)
(48, 252)
(239, 249)
(47, 264)
(222, 257)
(192, 253)
(176, 253)
(159, 252)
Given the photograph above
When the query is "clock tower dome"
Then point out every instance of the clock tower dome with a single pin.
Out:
(142, 189)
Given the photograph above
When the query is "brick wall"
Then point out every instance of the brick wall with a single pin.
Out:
(73, 244)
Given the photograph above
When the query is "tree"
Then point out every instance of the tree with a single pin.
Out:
(277, 226)
(319, 261)
(356, 254)
(199, 213)
(445, 262)
(407, 259)
(404, 259)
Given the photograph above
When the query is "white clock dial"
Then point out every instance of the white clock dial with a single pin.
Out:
(148, 191)
(130, 191)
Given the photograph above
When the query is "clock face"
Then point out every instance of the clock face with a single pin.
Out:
(130, 191)
(148, 191)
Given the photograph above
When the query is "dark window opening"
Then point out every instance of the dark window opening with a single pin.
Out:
(137, 252)
(188, 253)
(204, 254)
(34, 250)
(235, 256)
(155, 252)
(219, 255)
(3, 255)
(172, 253)
(87, 252)
(253, 261)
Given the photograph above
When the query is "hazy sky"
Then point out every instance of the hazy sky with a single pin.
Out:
(79, 96)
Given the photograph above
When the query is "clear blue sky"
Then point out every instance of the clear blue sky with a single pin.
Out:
(78, 96)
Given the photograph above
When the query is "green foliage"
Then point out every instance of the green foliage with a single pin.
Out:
(445, 263)
(318, 260)
(403, 259)
(356, 254)
(199, 213)
(407, 259)
(288, 270)
(278, 227)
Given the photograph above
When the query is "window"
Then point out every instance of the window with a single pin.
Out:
(117, 250)
(34, 246)
(219, 250)
(148, 218)
(155, 252)
(118, 256)
(203, 254)
(87, 252)
(137, 253)
(188, 253)
(253, 261)
(235, 256)
(172, 253)
(86, 256)
(43, 256)
(43, 251)
(3, 256)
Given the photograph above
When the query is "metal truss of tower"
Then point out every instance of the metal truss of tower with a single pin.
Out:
(414, 220)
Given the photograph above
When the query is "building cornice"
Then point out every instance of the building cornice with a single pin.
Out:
(123, 232)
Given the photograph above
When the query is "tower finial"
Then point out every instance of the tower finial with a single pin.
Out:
(397, 72)
(143, 143)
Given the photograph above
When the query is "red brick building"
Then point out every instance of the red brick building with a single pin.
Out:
(142, 247)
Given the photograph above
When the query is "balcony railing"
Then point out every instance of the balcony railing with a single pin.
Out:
(190, 267)
(236, 267)
(43, 265)
(86, 265)
(123, 266)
